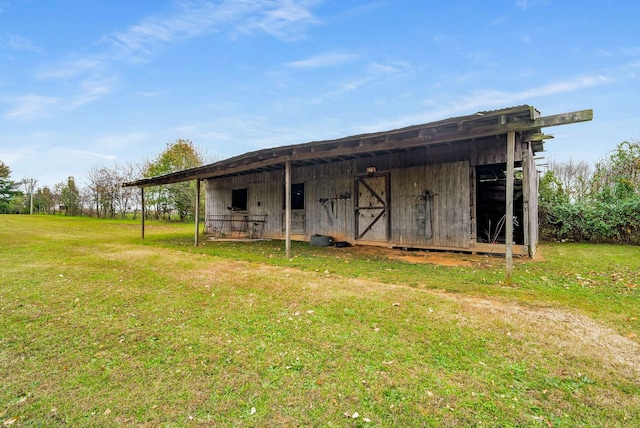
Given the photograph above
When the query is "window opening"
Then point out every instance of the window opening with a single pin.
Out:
(238, 200)
(297, 197)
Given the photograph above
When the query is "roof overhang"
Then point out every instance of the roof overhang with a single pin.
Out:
(475, 128)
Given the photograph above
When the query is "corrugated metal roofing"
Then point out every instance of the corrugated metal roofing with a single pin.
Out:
(471, 128)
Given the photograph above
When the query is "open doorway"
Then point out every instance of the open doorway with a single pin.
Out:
(491, 184)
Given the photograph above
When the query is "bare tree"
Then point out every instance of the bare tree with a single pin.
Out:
(129, 199)
(104, 190)
(575, 178)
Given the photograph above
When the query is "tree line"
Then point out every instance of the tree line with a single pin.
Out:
(103, 196)
(578, 202)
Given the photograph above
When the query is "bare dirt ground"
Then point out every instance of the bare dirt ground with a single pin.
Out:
(574, 334)
(442, 258)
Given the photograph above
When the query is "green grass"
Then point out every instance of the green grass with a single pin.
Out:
(100, 328)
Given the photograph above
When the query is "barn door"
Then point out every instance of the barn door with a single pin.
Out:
(372, 207)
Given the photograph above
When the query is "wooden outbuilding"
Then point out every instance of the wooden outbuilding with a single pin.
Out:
(466, 183)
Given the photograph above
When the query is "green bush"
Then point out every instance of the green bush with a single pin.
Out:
(607, 209)
(595, 221)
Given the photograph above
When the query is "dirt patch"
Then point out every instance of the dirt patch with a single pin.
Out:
(441, 258)
(130, 254)
(573, 333)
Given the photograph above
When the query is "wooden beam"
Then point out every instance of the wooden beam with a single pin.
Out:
(143, 211)
(508, 223)
(197, 213)
(287, 204)
(564, 118)
(537, 136)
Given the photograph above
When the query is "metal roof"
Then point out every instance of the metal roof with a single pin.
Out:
(472, 128)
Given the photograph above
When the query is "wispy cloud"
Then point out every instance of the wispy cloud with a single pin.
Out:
(284, 19)
(324, 60)
(365, 8)
(490, 99)
(120, 140)
(90, 90)
(526, 4)
(15, 154)
(86, 154)
(28, 107)
(93, 76)
(279, 18)
(373, 73)
(522, 4)
(150, 94)
(18, 43)
(70, 69)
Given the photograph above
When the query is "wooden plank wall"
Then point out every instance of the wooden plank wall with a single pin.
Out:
(334, 216)
(444, 221)
(265, 195)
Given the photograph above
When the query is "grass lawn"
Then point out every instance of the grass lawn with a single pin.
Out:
(100, 328)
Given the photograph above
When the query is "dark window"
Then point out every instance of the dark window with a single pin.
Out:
(297, 197)
(239, 200)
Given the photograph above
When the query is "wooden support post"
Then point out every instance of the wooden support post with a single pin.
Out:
(287, 221)
(511, 148)
(143, 212)
(197, 212)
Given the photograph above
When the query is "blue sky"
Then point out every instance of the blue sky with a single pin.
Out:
(92, 83)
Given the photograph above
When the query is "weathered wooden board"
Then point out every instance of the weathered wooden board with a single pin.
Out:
(441, 218)
(430, 206)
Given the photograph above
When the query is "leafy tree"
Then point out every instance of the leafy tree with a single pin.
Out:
(69, 197)
(8, 189)
(618, 176)
(551, 195)
(550, 190)
(178, 156)
(44, 201)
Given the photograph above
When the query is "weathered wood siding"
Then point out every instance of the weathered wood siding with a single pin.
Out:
(334, 216)
(446, 219)
(265, 193)
(430, 206)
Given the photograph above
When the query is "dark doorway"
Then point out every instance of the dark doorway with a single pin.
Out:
(491, 184)
(297, 196)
